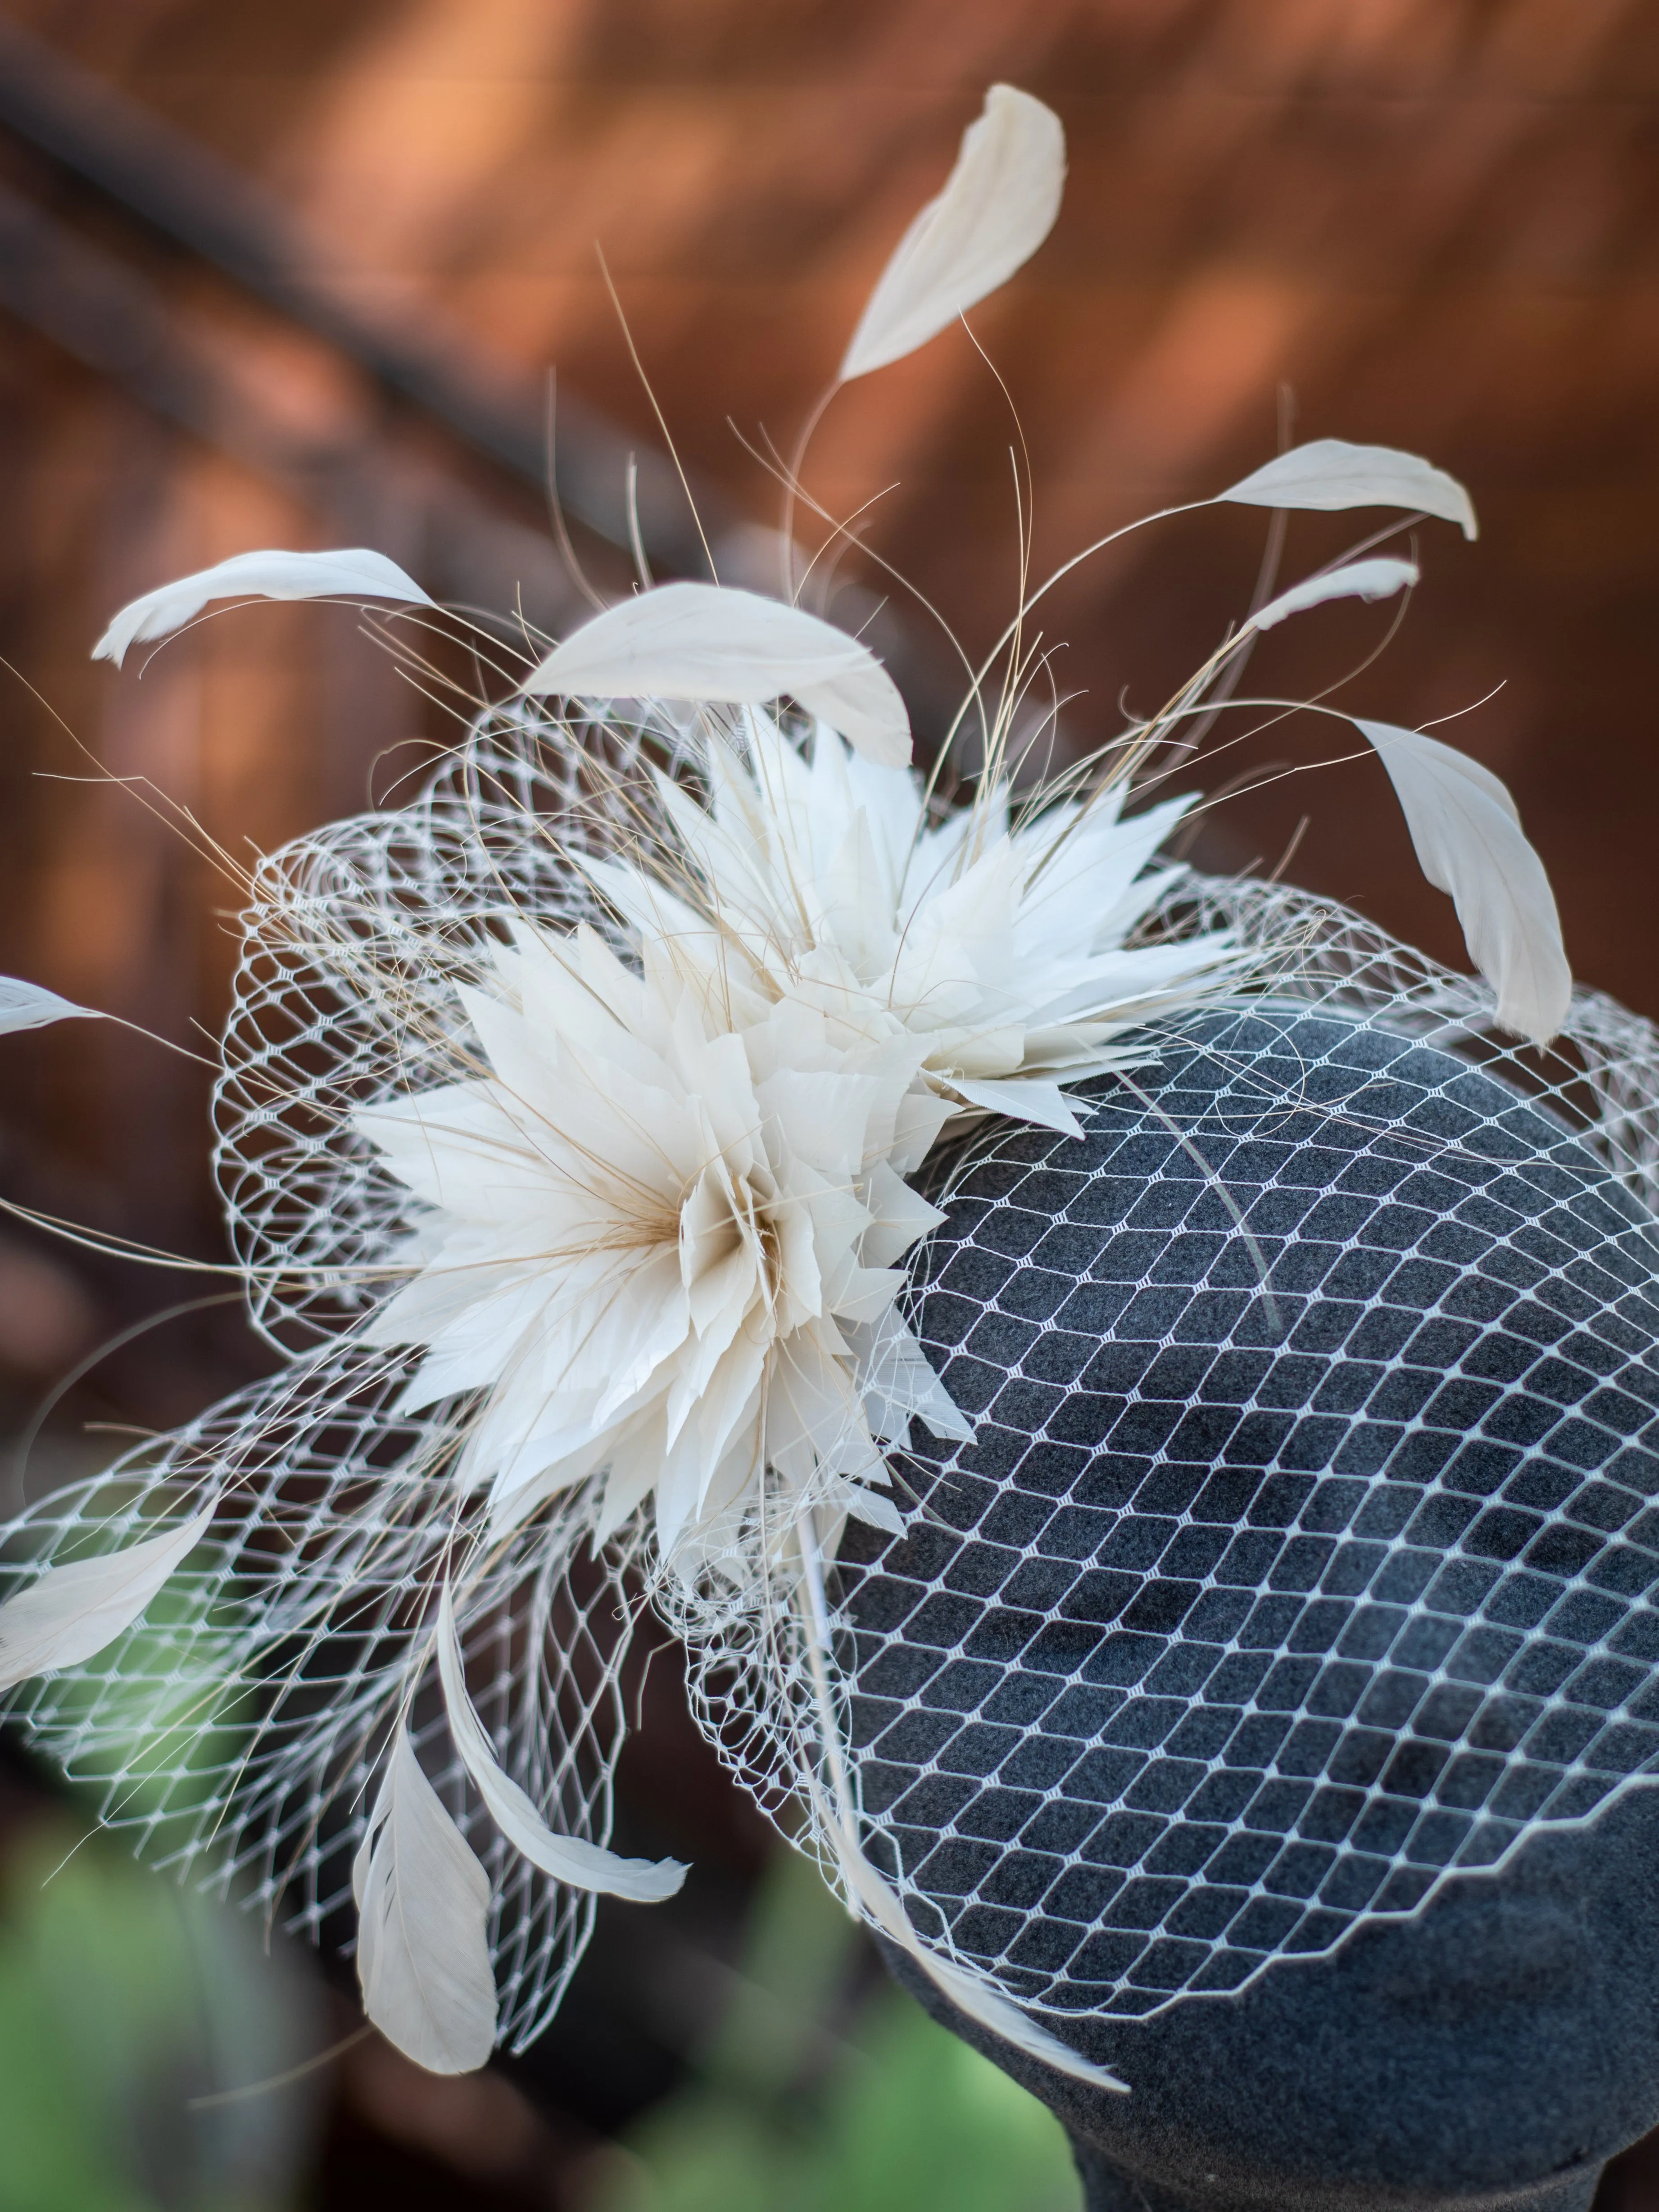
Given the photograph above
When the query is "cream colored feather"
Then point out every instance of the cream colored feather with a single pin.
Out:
(1359, 580)
(701, 642)
(1329, 474)
(354, 573)
(969, 1995)
(25, 1006)
(998, 206)
(569, 1859)
(1470, 842)
(72, 1611)
(423, 1940)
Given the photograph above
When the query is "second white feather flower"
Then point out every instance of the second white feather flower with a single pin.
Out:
(999, 946)
(663, 1241)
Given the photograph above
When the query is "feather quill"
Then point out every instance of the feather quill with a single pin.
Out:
(998, 206)
(984, 2006)
(25, 1006)
(422, 1939)
(1329, 473)
(72, 1611)
(353, 572)
(1470, 842)
(569, 1859)
(703, 642)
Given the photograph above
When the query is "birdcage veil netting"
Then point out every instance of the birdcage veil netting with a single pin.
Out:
(1061, 1847)
(345, 989)
(234, 1732)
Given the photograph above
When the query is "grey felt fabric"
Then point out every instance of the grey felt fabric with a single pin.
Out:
(1303, 1549)
(1492, 2052)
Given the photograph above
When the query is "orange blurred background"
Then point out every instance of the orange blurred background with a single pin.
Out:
(296, 276)
(1427, 223)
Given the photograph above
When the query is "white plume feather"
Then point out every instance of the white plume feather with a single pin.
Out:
(569, 1859)
(702, 643)
(1470, 842)
(353, 572)
(1329, 473)
(25, 1006)
(864, 705)
(998, 206)
(1000, 944)
(74, 1611)
(422, 1939)
(1358, 579)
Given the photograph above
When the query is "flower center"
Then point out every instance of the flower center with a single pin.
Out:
(731, 1249)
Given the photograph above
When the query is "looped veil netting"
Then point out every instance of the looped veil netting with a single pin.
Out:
(234, 1731)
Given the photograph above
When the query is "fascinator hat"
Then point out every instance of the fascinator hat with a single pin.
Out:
(1133, 1388)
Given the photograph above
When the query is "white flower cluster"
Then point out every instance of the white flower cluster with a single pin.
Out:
(666, 1213)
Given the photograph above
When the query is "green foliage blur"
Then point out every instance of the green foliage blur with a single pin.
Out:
(124, 2000)
(807, 2096)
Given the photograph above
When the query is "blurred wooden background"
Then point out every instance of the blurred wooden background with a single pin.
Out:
(296, 275)
(1433, 219)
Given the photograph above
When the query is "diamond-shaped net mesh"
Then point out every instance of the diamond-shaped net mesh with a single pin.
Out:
(1305, 1547)
(234, 1731)
(1303, 1552)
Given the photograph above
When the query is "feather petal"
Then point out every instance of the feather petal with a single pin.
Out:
(25, 1006)
(569, 1859)
(1358, 579)
(422, 1940)
(866, 706)
(73, 1611)
(704, 642)
(998, 206)
(1022, 1098)
(875, 1510)
(353, 572)
(1470, 843)
(1329, 473)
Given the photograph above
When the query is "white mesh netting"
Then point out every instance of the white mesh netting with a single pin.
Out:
(1375, 1666)
(234, 1731)
(345, 989)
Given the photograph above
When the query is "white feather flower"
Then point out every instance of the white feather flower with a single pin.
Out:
(1000, 947)
(662, 1245)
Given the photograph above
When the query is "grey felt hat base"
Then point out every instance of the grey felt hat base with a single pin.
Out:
(1489, 2055)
